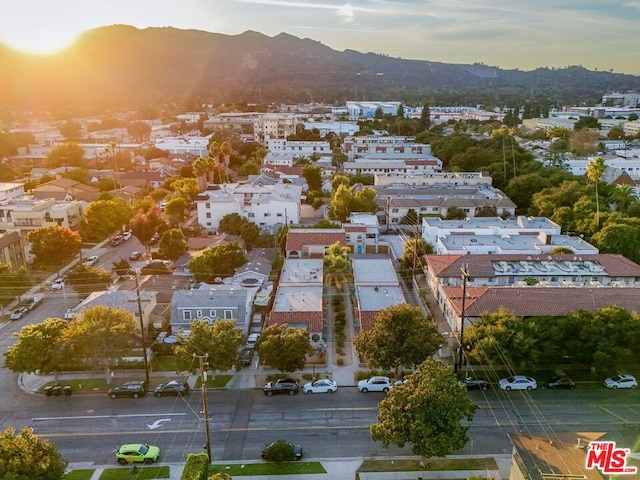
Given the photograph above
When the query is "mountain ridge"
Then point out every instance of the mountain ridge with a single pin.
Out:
(120, 66)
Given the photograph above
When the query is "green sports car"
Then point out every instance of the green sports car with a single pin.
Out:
(137, 452)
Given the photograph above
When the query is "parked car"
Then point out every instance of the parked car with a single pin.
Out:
(621, 381)
(127, 235)
(137, 453)
(157, 267)
(296, 450)
(172, 387)
(154, 239)
(560, 381)
(90, 261)
(117, 240)
(252, 339)
(68, 315)
(375, 384)
(33, 302)
(58, 284)
(518, 382)
(320, 386)
(19, 312)
(474, 384)
(283, 385)
(246, 356)
(135, 255)
(129, 389)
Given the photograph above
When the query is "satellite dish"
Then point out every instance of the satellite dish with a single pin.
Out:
(217, 279)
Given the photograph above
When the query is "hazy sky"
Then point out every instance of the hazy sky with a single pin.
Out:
(598, 34)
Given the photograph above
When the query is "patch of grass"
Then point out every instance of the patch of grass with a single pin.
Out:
(287, 468)
(434, 464)
(218, 381)
(80, 474)
(82, 385)
(165, 363)
(141, 473)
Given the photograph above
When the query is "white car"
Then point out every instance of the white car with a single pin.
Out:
(375, 384)
(621, 381)
(58, 284)
(19, 312)
(127, 235)
(320, 386)
(252, 339)
(90, 261)
(518, 382)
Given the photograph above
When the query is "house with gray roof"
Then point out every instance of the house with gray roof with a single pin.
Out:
(210, 303)
(125, 299)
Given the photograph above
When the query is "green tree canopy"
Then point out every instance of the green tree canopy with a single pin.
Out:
(284, 348)
(100, 335)
(145, 223)
(85, 279)
(413, 251)
(25, 456)
(37, 348)
(14, 283)
(172, 243)
(313, 177)
(401, 336)
(426, 412)
(103, 217)
(69, 154)
(337, 266)
(218, 261)
(53, 245)
(220, 341)
(176, 210)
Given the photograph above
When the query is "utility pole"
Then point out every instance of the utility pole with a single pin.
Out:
(142, 333)
(205, 409)
(465, 275)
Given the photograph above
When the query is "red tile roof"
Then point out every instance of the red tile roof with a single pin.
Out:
(313, 320)
(297, 240)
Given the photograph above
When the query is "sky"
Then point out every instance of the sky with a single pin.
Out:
(510, 34)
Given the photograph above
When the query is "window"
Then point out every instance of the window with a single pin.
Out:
(267, 214)
(212, 313)
(208, 215)
(394, 210)
(186, 315)
(198, 313)
(228, 314)
(279, 214)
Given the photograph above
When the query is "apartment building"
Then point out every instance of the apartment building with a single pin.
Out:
(28, 213)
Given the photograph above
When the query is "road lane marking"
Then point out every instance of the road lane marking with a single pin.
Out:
(90, 417)
(622, 419)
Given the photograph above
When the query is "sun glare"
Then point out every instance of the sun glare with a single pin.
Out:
(40, 43)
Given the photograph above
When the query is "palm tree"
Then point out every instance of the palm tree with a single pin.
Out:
(225, 150)
(200, 168)
(337, 266)
(595, 170)
(623, 196)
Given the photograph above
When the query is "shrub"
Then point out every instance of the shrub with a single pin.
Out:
(196, 467)
(279, 451)
(340, 362)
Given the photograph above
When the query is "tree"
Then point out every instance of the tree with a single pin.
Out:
(250, 234)
(176, 210)
(411, 218)
(620, 237)
(284, 348)
(339, 179)
(413, 251)
(145, 224)
(37, 348)
(231, 223)
(70, 130)
(455, 213)
(69, 154)
(218, 261)
(364, 201)
(425, 412)
(14, 284)
(140, 131)
(172, 243)
(313, 177)
(595, 170)
(85, 279)
(220, 341)
(100, 336)
(25, 456)
(186, 188)
(122, 267)
(400, 336)
(425, 117)
(339, 206)
(54, 245)
(279, 451)
(103, 217)
(337, 266)
(586, 122)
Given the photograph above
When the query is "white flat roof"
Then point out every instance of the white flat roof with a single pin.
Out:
(378, 271)
(290, 298)
(301, 270)
(372, 299)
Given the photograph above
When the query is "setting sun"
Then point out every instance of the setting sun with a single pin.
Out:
(38, 42)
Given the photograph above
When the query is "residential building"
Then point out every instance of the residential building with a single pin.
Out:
(268, 206)
(11, 190)
(123, 299)
(27, 213)
(237, 121)
(67, 189)
(298, 298)
(209, 303)
(338, 128)
(376, 288)
(422, 167)
(298, 148)
(312, 242)
(185, 144)
(274, 125)
(395, 201)
(12, 250)
(426, 177)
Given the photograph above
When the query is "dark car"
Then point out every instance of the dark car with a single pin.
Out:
(474, 384)
(173, 387)
(246, 356)
(157, 267)
(560, 381)
(135, 255)
(283, 385)
(129, 389)
(296, 450)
